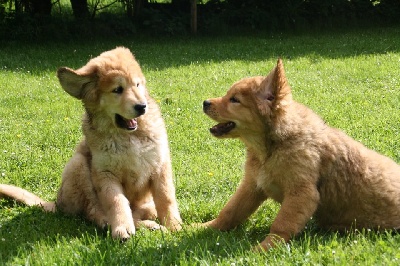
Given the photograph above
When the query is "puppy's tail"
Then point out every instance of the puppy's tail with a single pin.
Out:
(26, 197)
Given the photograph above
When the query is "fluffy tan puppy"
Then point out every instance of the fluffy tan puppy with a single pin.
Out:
(293, 157)
(120, 174)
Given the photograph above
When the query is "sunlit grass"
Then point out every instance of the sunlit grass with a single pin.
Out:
(351, 79)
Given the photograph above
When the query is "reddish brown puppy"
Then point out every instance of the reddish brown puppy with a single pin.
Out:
(293, 157)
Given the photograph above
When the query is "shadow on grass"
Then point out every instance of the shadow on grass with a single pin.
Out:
(156, 53)
(30, 230)
(30, 225)
(33, 232)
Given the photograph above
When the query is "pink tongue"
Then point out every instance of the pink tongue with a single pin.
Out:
(131, 123)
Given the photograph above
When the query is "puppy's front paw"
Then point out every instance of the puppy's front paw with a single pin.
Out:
(174, 225)
(202, 225)
(270, 241)
(261, 247)
(149, 224)
(123, 232)
(208, 224)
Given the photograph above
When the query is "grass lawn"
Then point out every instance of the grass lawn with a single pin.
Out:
(351, 78)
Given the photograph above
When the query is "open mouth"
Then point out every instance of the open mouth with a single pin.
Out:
(128, 124)
(222, 128)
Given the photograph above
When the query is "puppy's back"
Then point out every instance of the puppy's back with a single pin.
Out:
(357, 185)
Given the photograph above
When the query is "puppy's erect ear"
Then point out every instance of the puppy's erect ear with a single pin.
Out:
(73, 82)
(274, 91)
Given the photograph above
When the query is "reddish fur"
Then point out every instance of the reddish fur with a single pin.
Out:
(310, 168)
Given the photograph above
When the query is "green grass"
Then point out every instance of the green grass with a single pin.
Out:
(350, 78)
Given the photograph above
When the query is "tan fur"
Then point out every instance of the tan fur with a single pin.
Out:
(293, 157)
(120, 177)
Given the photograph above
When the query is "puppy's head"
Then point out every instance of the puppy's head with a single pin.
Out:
(250, 106)
(111, 84)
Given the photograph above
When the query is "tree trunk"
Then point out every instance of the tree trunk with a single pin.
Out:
(193, 14)
(41, 7)
(33, 7)
(80, 9)
(137, 9)
(182, 4)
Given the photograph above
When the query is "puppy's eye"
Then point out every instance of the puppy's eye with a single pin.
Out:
(137, 85)
(118, 90)
(234, 100)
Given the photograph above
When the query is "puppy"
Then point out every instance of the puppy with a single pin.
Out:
(120, 174)
(294, 158)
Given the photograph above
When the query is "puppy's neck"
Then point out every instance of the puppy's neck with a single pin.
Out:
(276, 130)
(262, 145)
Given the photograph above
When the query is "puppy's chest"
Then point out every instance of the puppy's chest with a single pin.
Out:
(271, 188)
(270, 180)
(133, 157)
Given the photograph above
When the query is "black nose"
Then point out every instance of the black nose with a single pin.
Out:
(206, 105)
(140, 108)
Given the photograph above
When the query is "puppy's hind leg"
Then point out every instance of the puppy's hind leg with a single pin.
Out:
(76, 194)
(145, 215)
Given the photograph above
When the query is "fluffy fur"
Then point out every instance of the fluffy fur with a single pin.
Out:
(293, 157)
(120, 174)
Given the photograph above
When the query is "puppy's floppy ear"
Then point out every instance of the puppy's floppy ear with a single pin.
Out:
(73, 82)
(274, 91)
